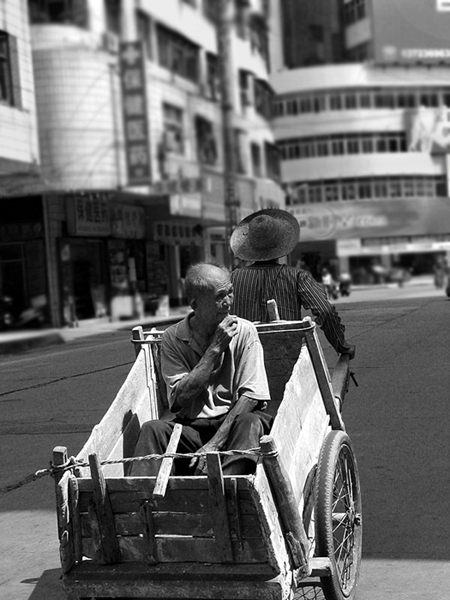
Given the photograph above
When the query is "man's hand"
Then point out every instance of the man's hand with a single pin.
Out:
(350, 351)
(225, 331)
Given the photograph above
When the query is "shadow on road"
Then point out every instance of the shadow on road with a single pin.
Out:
(47, 586)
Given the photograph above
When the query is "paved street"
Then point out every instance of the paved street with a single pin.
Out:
(396, 418)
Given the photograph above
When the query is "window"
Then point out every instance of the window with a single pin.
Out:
(10, 91)
(348, 190)
(350, 101)
(331, 191)
(263, 98)
(73, 12)
(352, 146)
(305, 105)
(408, 188)
(335, 102)
(206, 142)
(292, 107)
(272, 161)
(212, 77)
(364, 189)
(144, 31)
(395, 188)
(259, 36)
(354, 10)
(322, 148)
(319, 103)
(173, 129)
(279, 109)
(211, 10)
(337, 146)
(367, 145)
(365, 100)
(441, 187)
(244, 89)
(177, 54)
(113, 16)
(256, 160)
(315, 193)
(381, 145)
(241, 19)
(239, 151)
(381, 188)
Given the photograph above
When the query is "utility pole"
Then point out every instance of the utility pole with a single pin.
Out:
(231, 198)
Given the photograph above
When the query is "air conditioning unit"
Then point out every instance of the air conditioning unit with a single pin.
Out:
(111, 42)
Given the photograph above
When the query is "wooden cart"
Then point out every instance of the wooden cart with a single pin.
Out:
(292, 528)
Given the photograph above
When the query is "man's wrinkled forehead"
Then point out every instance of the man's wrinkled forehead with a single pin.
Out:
(214, 276)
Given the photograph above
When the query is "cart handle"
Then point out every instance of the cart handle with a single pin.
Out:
(341, 378)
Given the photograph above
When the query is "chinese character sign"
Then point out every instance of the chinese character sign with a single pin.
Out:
(137, 147)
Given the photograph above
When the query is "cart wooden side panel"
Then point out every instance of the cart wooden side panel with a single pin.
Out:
(136, 402)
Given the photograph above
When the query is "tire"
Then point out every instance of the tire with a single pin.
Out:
(338, 516)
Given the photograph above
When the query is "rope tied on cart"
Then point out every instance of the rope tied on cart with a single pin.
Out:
(73, 463)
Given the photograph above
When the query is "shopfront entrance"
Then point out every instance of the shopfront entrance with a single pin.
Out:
(83, 278)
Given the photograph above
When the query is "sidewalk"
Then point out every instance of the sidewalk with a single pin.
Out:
(21, 340)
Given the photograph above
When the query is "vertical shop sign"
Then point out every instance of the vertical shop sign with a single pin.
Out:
(134, 102)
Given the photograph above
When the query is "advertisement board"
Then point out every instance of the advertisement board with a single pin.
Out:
(135, 117)
(411, 31)
(346, 220)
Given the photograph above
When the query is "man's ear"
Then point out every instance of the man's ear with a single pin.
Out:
(193, 304)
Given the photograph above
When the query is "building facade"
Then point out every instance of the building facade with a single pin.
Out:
(363, 146)
(129, 117)
(22, 238)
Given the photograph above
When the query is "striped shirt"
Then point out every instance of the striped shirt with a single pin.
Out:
(291, 288)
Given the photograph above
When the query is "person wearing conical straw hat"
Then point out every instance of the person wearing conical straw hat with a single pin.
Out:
(261, 239)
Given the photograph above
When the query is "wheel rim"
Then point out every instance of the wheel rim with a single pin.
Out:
(346, 520)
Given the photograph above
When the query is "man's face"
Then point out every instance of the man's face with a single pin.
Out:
(215, 304)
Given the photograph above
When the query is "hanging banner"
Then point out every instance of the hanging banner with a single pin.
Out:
(134, 101)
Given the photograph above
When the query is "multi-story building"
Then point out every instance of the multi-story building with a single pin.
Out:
(361, 124)
(22, 242)
(130, 135)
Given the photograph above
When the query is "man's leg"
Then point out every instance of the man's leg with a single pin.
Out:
(154, 438)
(247, 430)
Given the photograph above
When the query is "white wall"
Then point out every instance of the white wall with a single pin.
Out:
(18, 133)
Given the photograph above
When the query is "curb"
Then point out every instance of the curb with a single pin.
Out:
(13, 343)
(22, 344)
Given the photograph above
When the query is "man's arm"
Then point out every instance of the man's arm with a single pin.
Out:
(314, 299)
(196, 381)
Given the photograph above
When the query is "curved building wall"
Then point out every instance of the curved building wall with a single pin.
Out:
(78, 124)
(364, 158)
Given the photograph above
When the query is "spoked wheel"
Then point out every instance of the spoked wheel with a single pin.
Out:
(338, 516)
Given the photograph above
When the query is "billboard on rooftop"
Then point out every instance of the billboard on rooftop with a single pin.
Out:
(411, 31)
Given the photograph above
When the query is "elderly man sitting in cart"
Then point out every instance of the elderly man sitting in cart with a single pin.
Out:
(213, 366)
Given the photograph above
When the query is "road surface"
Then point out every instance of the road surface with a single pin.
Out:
(397, 419)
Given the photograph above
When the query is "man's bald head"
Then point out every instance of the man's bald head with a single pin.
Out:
(203, 277)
